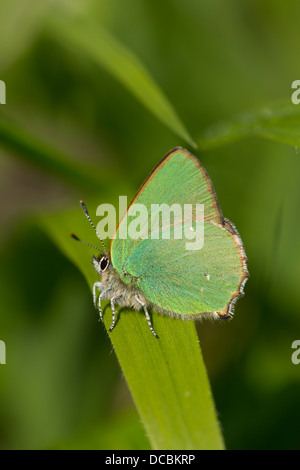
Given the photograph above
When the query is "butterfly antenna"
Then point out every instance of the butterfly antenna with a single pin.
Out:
(90, 221)
(86, 243)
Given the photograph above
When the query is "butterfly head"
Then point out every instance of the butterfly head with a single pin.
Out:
(101, 263)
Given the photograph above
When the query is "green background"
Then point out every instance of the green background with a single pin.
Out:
(79, 123)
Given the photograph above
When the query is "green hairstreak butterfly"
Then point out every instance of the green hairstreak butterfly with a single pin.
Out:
(160, 273)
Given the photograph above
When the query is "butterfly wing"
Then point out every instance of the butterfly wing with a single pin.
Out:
(186, 282)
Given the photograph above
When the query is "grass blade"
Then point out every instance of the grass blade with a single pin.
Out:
(168, 380)
(166, 376)
(125, 66)
(278, 122)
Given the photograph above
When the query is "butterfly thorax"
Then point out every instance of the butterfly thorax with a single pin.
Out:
(124, 292)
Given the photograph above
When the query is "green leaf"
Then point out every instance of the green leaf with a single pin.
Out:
(278, 122)
(102, 47)
(167, 379)
(166, 376)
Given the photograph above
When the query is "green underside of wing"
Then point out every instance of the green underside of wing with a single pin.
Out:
(174, 278)
(185, 282)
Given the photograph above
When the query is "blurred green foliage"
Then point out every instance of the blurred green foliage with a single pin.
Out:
(216, 63)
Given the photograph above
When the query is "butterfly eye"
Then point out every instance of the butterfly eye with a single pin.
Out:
(103, 263)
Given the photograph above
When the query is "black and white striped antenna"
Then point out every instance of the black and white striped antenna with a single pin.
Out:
(84, 208)
(86, 243)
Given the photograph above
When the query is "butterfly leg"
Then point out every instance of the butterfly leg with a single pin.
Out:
(147, 316)
(112, 303)
(96, 286)
(99, 301)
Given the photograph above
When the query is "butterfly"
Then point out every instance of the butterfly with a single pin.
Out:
(155, 270)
